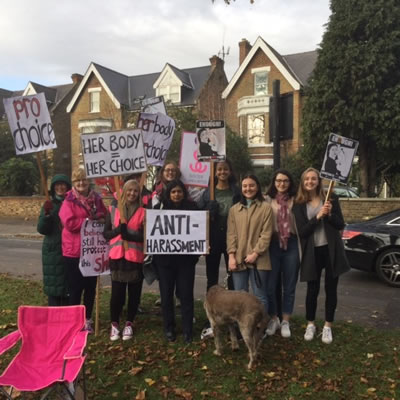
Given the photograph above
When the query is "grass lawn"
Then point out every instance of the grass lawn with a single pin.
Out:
(361, 363)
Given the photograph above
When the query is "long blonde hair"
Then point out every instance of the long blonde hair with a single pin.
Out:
(303, 196)
(128, 185)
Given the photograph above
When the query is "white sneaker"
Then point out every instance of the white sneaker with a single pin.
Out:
(114, 334)
(310, 332)
(206, 333)
(285, 329)
(273, 326)
(127, 333)
(327, 335)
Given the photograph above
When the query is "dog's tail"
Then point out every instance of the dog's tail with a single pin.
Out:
(262, 326)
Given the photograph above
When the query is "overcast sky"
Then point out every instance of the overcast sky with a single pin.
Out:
(47, 41)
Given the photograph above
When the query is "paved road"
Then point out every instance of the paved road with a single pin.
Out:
(362, 297)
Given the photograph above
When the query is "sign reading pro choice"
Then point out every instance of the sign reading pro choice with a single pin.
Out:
(176, 232)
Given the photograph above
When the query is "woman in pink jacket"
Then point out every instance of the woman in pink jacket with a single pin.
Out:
(80, 203)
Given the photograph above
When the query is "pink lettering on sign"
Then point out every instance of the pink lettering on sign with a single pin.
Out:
(198, 168)
(25, 105)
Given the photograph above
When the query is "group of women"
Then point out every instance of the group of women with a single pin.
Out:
(259, 237)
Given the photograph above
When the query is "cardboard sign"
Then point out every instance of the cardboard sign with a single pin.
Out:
(30, 123)
(194, 172)
(338, 159)
(176, 232)
(211, 140)
(94, 250)
(158, 131)
(113, 153)
(154, 105)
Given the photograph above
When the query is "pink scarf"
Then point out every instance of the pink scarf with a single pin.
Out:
(283, 219)
(88, 201)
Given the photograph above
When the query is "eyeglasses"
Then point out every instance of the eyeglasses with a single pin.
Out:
(279, 181)
(169, 170)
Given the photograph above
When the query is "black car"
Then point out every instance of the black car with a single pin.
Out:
(374, 245)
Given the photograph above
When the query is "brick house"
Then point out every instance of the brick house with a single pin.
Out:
(247, 96)
(106, 100)
(57, 98)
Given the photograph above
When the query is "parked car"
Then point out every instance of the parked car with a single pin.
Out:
(374, 245)
(344, 191)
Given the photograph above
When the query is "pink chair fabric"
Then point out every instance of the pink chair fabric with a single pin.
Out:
(51, 337)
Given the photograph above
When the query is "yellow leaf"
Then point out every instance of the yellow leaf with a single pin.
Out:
(204, 368)
(141, 362)
(150, 381)
(270, 374)
(363, 380)
(141, 395)
(135, 371)
(92, 362)
(371, 390)
(370, 355)
(119, 372)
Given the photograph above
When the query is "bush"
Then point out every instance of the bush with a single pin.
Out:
(18, 177)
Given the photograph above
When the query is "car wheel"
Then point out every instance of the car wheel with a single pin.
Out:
(388, 267)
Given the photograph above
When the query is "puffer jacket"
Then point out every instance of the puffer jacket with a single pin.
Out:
(54, 282)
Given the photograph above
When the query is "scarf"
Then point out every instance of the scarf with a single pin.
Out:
(88, 202)
(283, 219)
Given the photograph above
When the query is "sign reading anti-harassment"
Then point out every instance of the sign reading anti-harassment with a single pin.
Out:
(176, 232)
(30, 123)
(113, 153)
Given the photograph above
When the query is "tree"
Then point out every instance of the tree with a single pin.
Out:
(18, 177)
(355, 86)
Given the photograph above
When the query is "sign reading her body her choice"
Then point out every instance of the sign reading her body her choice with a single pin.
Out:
(338, 159)
(158, 130)
(30, 123)
(113, 153)
(154, 105)
(176, 232)
(94, 250)
(211, 140)
(193, 171)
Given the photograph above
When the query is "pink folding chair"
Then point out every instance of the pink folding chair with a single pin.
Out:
(51, 354)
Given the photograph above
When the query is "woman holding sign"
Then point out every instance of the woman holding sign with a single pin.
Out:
(168, 172)
(319, 223)
(80, 203)
(125, 263)
(177, 271)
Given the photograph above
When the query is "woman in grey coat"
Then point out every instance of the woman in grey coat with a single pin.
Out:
(319, 223)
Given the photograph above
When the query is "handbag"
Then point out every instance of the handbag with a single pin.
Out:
(149, 270)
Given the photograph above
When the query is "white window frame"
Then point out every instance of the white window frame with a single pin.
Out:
(258, 72)
(170, 93)
(262, 143)
(94, 100)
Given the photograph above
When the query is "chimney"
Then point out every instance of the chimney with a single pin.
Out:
(216, 62)
(244, 48)
(76, 78)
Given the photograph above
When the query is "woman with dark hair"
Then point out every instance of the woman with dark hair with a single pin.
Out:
(249, 234)
(176, 271)
(283, 251)
(319, 223)
(168, 172)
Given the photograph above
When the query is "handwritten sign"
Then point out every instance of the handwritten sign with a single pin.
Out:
(211, 140)
(194, 172)
(158, 131)
(338, 159)
(30, 123)
(94, 250)
(113, 153)
(176, 232)
(154, 105)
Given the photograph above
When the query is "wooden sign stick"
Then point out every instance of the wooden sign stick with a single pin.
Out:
(42, 176)
(121, 210)
(96, 322)
(212, 189)
(330, 190)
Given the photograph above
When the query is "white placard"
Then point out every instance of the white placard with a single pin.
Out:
(176, 232)
(194, 172)
(94, 250)
(158, 131)
(154, 105)
(113, 153)
(211, 140)
(338, 159)
(30, 123)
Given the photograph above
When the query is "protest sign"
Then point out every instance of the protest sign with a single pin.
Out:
(154, 105)
(113, 153)
(158, 130)
(30, 123)
(176, 232)
(338, 159)
(193, 172)
(211, 140)
(94, 250)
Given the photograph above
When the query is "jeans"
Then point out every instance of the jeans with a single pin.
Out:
(285, 263)
(241, 282)
(118, 296)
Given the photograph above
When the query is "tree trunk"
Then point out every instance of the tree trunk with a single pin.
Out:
(367, 162)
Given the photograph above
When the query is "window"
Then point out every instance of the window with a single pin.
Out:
(256, 129)
(170, 93)
(94, 98)
(261, 83)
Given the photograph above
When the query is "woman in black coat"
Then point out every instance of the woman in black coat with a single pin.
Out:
(319, 223)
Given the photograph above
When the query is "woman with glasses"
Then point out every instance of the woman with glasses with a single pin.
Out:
(168, 172)
(283, 252)
(249, 234)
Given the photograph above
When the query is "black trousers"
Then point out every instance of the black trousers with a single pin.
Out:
(57, 301)
(118, 296)
(78, 284)
(181, 277)
(322, 262)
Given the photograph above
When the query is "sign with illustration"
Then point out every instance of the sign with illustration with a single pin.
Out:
(30, 123)
(154, 105)
(211, 140)
(193, 171)
(338, 159)
(113, 153)
(94, 250)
